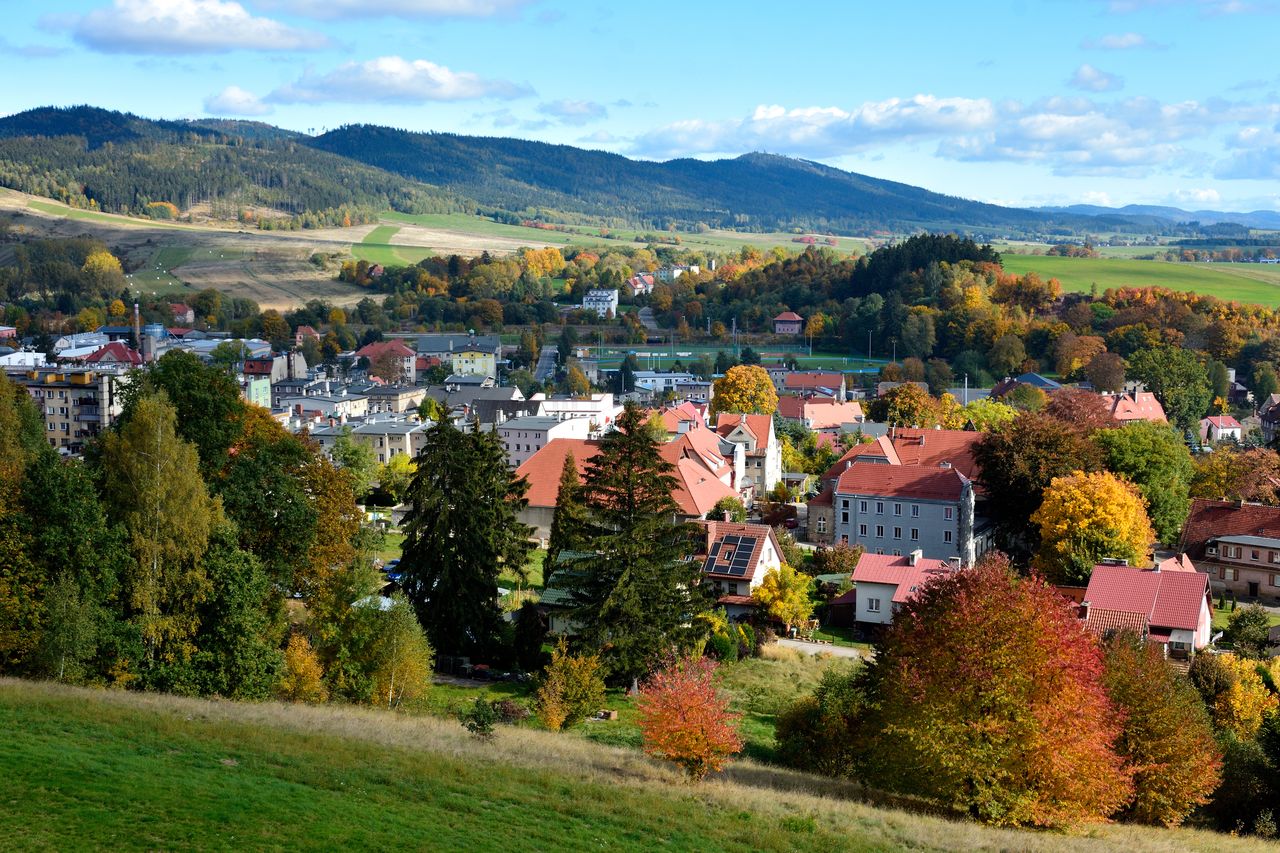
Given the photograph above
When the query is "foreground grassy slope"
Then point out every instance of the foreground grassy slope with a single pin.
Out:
(87, 769)
(1225, 281)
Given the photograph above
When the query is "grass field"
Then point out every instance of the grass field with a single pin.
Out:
(57, 209)
(377, 248)
(1222, 615)
(95, 769)
(1235, 282)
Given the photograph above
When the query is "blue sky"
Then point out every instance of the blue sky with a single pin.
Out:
(1053, 102)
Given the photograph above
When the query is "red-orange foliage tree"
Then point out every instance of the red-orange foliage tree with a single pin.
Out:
(990, 701)
(685, 719)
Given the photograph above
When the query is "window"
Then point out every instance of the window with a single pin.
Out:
(733, 589)
(915, 510)
(1275, 556)
(946, 536)
(1253, 555)
(946, 513)
(873, 605)
(897, 509)
(897, 533)
(844, 518)
(879, 507)
(844, 504)
(1226, 574)
(897, 553)
(1273, 580)
(879, 531)
(915, 534)
(862, 530)
(862, 506)
(821, 524)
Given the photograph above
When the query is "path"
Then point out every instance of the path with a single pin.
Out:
(648, 321)
(821, 648)
(546, 364)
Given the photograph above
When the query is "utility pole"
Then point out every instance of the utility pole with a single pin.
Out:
(894, 343)
(868, 345)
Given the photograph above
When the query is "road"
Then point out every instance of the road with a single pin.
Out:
(647, 320)
(546, 364)
(821, 649)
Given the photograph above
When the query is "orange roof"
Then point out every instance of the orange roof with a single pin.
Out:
(761, 426)
(905, 481)
(881, 448)
(543, 468)
(828, 414)
(932, 446)
(788, 316)
(899, 572)
(1180, 563)
(397, 348)
(1135, 406)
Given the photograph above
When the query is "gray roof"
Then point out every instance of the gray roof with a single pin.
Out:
(449, 343)
(531, 422)
(1252, 541)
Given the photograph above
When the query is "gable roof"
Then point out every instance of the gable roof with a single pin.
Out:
(1222, 422)
(1166, 599)
(116, 352)
(375, 349)
(807, 380)
(732, 550)
(1211, 519)
(902, 481)
(760, 426)
(1135, 406)
(898, 571)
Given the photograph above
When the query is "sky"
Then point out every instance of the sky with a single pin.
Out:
(1023, 103)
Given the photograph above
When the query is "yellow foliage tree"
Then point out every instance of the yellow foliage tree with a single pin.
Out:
(103, 271)
(571, 690)
(784, 595)
(745, 389)
(545, 262)
(1084, 518)
(302, 679)
(337, 317)
(1242, 707)
(116, 309)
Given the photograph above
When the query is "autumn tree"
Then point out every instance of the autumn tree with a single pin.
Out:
(744, 389)
(1166, 739)
(989, 700)
(784, 595)
(462, 532)
(402, 657)
(395, 476)
(571, 688)
(152, 486)
(1105, 371)
(636, 595)
(1238, 475)
(301, 676)
(986, 414)
(1080, 410)
(1085, 518)
(1007, 355)
(684, 719)
(912, 406)
(576, 381)
(1178, 379)
(1018, 461)
(1155, 459)
(1248, 631)
(1245, 700)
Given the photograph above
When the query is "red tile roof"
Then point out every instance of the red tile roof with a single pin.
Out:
(1135, 406)
(1209, 519)
(753, 536)
(1223, 422)
(902, 481)
(1100, 622)
(1180, 563)
(898, 571)
(788, 316)
(761, 426)
(258, 366)
(397, 348)
(810, 380)
(1166, 599)
(116, 352)
(932, 446)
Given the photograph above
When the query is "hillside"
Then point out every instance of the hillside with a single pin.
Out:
(120, 163)
(130, 771)
(754, 191)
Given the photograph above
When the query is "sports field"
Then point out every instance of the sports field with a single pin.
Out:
(1253, 283)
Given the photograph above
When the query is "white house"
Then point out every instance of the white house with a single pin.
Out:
(523, 437)
(763, 451)
(1221, 428)
(735, 559)
(883, 582)
(603, 302)
(600, 409)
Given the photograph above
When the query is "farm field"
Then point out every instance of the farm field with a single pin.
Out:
(92, 769)
(1081, 274)
(377, 248)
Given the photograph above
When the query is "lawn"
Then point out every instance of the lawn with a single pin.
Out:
(377, 248)
(1221, 616)
(1236, 282)
(392, 543)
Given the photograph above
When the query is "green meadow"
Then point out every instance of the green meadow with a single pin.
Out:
(1233, 282)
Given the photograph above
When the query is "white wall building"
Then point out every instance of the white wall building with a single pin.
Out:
(525, 436)
(603, 302)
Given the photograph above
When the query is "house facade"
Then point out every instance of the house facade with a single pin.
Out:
(788, 323)
(1168, 605)
(735, 559)
(465, 354)
(1217, 428)
(523, 437)
(603, 303)
(761, 448)
(1237, 545)
(75, 405)
(1135, 406)
(884, 582)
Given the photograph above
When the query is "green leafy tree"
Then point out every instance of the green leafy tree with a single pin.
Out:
(401, 656)
(461, 534)
(1248, 629)
(396, 476)
(1155, 459)
(1178, 379)
(728, 509)
(357, 459)
(636, 596)
(70, 631)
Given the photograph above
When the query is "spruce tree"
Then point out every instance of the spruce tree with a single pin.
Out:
(637, 594)
(461, 534)
(569, 523)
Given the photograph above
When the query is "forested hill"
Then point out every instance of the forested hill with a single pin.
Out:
(754, 191)
(117, 162)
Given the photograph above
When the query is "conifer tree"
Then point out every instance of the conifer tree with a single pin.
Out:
(462, 533)
(637, 594)
(569, 523)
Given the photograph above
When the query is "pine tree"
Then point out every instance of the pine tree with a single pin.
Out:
(637, 594)
(570, 520)
(462, 532)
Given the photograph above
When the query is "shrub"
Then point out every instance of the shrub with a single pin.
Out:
(479, 719)
(820, 733)
(302, 677)
(723, 647)
(572, 688)
(510, 711)
(685, 720)
(1248, 629)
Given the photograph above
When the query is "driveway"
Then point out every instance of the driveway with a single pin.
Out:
(822, 649)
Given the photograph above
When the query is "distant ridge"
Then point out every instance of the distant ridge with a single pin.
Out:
(1253, 219)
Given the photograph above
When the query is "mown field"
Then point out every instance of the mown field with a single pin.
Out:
(1236, 282)
(377, 248)
(95, 769)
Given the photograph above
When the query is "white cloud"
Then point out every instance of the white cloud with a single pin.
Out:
(1090, 79)
(234, 101)
(1122, 41)
(573, 112)
(186, 26)
(1206, 195)
(333, 9)
(392, 79)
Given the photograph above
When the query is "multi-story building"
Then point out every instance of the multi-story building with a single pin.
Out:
(341, 406)
(525, 436)
(602, 302)
(897, 509)
(386, 438)
(599, 409)
(465, 354)
(76, 405)
(394, 399)
(1237, 545)
(395, 355)
(762, 450)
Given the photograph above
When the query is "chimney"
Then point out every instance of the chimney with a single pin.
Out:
(1084, 609)
(914, 557)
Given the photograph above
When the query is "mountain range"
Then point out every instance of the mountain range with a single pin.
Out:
(120, 162)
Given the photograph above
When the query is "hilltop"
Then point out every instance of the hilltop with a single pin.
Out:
(89, 768)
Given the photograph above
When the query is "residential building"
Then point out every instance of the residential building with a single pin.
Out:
(465, 354)
(884, 582)
(1216, 428)
(523, 437)
(386, 437)
(1237, 545)
(1269, 415)
(397, 353)
(1035, 380)
(671, 273)
(641, 284)
(820, 414)
(114, 353)
(897, 509)
(659, 383)
(735, 559)
(761, 447)
(1170, 608)
(394, 399)
(599, 409)
(75, 404)
(1135, 406)
(811, 383)
(183, 314)
(341, 406)
(256, 390)
(788, 323)
(603, 302)
(303, 334)
(698, 390)
(275, 367)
